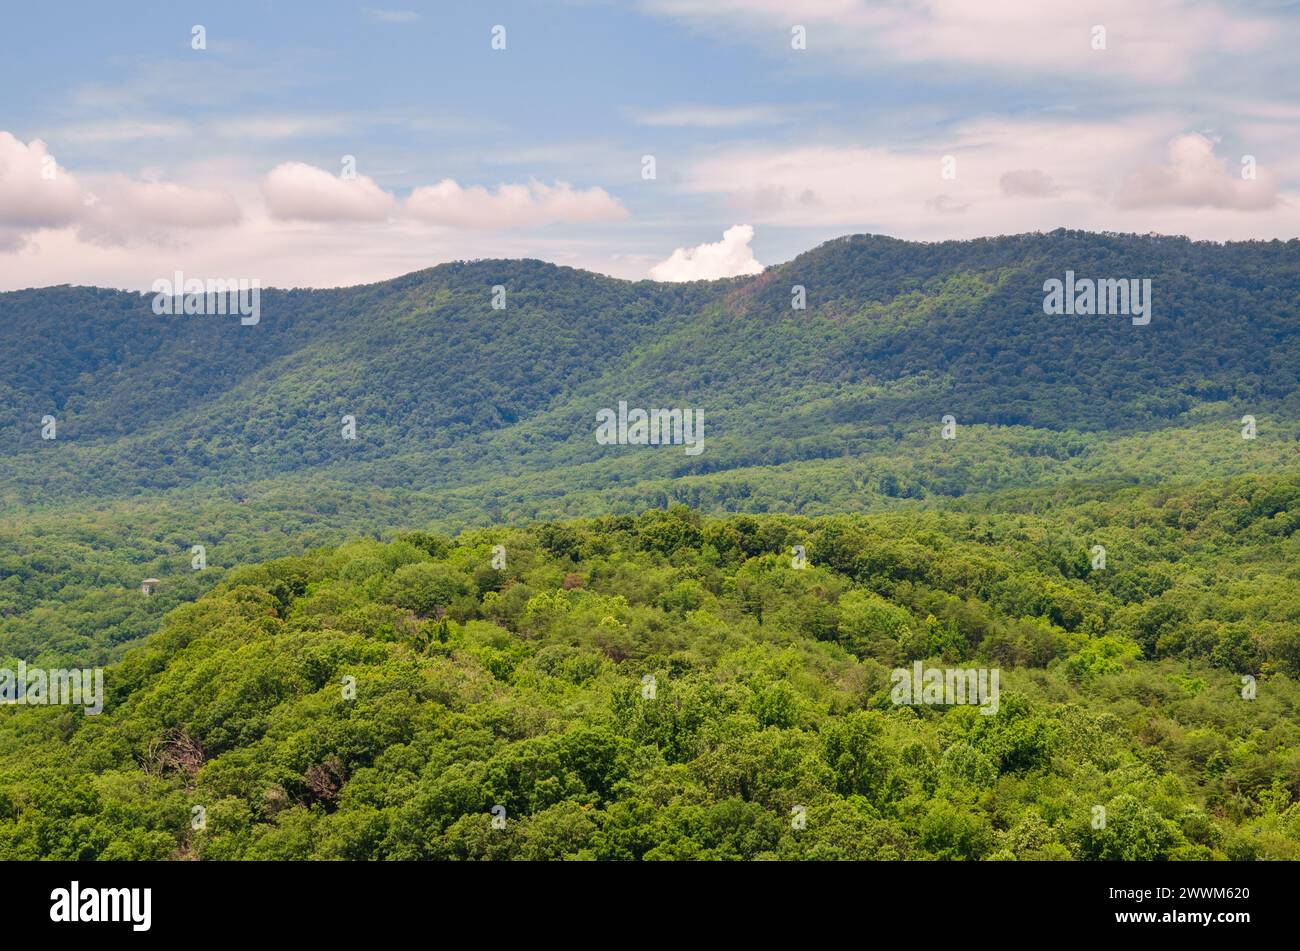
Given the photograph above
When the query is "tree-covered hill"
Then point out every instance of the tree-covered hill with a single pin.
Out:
(894, 336)
(668, 686)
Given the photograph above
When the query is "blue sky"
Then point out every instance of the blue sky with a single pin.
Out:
(126, 154)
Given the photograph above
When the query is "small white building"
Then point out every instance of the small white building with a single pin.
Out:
(149, 585)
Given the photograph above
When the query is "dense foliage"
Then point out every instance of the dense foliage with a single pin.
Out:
(527, 688)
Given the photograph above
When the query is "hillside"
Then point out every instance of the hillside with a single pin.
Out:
(667, 687)
(894, 336)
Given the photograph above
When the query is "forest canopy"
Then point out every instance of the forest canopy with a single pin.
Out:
(671, 686)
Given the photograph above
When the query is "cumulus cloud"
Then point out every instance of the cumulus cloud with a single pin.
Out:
(295, 190)
(1196, 178)
(730, 257)
(511, 206)
(298, 191)
(35, 192)
(114, 211)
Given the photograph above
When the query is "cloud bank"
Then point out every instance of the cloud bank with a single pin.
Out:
(511, 206)
(1007, 176)
(1157, 41)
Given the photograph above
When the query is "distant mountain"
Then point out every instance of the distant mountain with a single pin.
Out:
(447, 390)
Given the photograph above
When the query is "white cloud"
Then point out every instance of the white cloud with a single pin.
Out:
(1082, 176)
(283, 254)
(816, 184)
(1159, 41)
(293, 226)
(35, 192)
(730, 257)
(1196, 178)
(122, 211)
(295, 190)
(511, 206)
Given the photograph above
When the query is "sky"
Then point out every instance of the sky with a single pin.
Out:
(332, 143)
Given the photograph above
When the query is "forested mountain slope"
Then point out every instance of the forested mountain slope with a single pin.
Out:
(667, 686)
(895, 335)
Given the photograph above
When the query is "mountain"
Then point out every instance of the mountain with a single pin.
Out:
(894, 336)
(174, 431)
